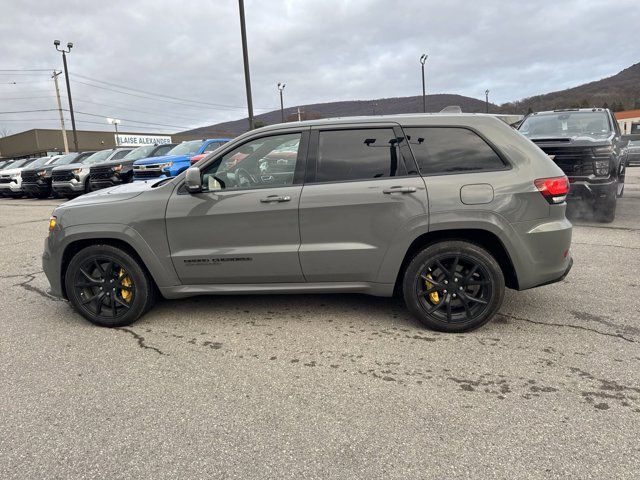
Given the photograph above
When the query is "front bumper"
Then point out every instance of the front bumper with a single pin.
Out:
(70, 187)
(582, 190)
(51, 268)
(39, 188)
(11, 188)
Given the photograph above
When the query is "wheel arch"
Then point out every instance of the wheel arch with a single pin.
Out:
(483, 238)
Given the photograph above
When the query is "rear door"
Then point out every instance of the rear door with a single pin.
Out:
(362, 188)
(243, 228)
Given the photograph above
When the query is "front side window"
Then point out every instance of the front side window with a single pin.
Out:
(264, 162)
(444, 150)
(359, 154)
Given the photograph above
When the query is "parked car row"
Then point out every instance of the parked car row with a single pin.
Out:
(74, 174)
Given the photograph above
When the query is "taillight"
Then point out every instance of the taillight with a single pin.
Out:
(554, 190)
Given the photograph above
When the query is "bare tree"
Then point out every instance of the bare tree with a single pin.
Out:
(4, 132)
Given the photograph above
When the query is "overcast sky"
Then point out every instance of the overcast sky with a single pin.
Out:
(324, 50)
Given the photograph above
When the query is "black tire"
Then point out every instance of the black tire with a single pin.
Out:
(96, 269)
(477, 279)
(87, 186)
(606, 212)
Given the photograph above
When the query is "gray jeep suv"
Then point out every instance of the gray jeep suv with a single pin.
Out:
(445, 210)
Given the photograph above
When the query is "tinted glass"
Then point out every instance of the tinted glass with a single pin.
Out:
(97, 157)
(120, 154)
(186, 148)
(212, 146)
(140, 152)
(163, 150)
(39, 162)
(358, 155)
(451, 150)
(63, 160)
(264, 162)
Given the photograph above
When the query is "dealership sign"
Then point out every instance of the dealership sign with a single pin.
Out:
(138, 140)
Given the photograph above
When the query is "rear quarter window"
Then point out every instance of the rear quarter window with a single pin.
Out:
(447, 150)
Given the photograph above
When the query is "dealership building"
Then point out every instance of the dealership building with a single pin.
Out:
(629, 121)
(40, 142)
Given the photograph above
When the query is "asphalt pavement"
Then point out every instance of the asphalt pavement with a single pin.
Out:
(325, 386)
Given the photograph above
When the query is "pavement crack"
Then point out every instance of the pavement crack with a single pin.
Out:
(30, 288)
(23, 223)
(577, 327)
(141, 341)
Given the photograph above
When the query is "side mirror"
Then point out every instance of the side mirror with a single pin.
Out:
(193, 180)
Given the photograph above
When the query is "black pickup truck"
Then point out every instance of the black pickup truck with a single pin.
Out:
(588, 146)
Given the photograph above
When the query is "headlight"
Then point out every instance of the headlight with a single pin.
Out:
(166, 165)
(117, 168)
(52, 223)
(601, 167)
(42, 173)
(602, 150)
(76, 171)
(16, 175)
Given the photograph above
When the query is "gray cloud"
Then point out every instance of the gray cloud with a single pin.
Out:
(324, 50)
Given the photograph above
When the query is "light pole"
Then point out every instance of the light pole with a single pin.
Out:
(486, 100)
(281, 88)
(423, 60)
(245, 57)
(115, 122)
(64, 131)
(56, 43)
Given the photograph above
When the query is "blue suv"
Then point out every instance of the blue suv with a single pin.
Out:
(176, 160)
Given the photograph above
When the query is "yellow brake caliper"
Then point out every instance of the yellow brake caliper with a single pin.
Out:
(126, 282)
(433, 296)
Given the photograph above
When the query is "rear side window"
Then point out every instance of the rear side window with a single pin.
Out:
(360, 154)
(442, 150)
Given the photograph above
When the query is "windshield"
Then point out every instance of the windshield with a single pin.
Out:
(186, 148)
(140, 152)
(22, 163)
(566, 124)
(97, 157)
(39, 162)
(63, 160)
(7, 164)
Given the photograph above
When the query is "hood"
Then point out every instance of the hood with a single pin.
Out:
(70, 166)
(163, 159)
(126, 191)
(11, 171)
(573, 140)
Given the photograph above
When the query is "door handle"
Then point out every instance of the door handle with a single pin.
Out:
(275, 198)
(388, 191)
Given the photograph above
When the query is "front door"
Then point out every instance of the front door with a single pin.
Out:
(243, 228)
(359, 196)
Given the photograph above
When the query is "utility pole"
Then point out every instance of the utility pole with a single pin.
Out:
(64, 131)
(299, 115)
(115, 122)
(245, 57)
(281, 88)
(486, 100)
(423, 60)
(56, 43)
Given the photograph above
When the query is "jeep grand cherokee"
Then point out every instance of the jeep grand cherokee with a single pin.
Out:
(445, 209)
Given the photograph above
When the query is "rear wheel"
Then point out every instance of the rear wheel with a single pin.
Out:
(453, 286)
(108, 287)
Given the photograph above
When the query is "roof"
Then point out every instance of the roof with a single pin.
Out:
(627, 114)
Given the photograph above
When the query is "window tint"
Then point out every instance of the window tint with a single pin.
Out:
(451, 150)
(163, 150)
(358, 155)
(264, 162)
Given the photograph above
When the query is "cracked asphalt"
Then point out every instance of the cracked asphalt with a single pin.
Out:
(340, 386)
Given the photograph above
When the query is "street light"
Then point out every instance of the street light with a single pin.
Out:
(115, 122)
(423, 60)
(486, 100)
(281, 88)
(245, 57)
(56, 43)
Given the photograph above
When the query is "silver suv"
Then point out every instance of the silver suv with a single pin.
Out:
(445, 210)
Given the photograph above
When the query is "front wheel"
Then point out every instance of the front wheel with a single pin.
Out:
(453, 286)
(108, 287)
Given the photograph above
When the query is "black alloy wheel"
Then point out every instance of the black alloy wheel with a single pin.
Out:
(108, 287)
(453, 286)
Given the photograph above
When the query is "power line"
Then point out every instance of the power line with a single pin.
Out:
(122, 107)
(130, 120)
(30, 111)
(160, 94)
(27, 70)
